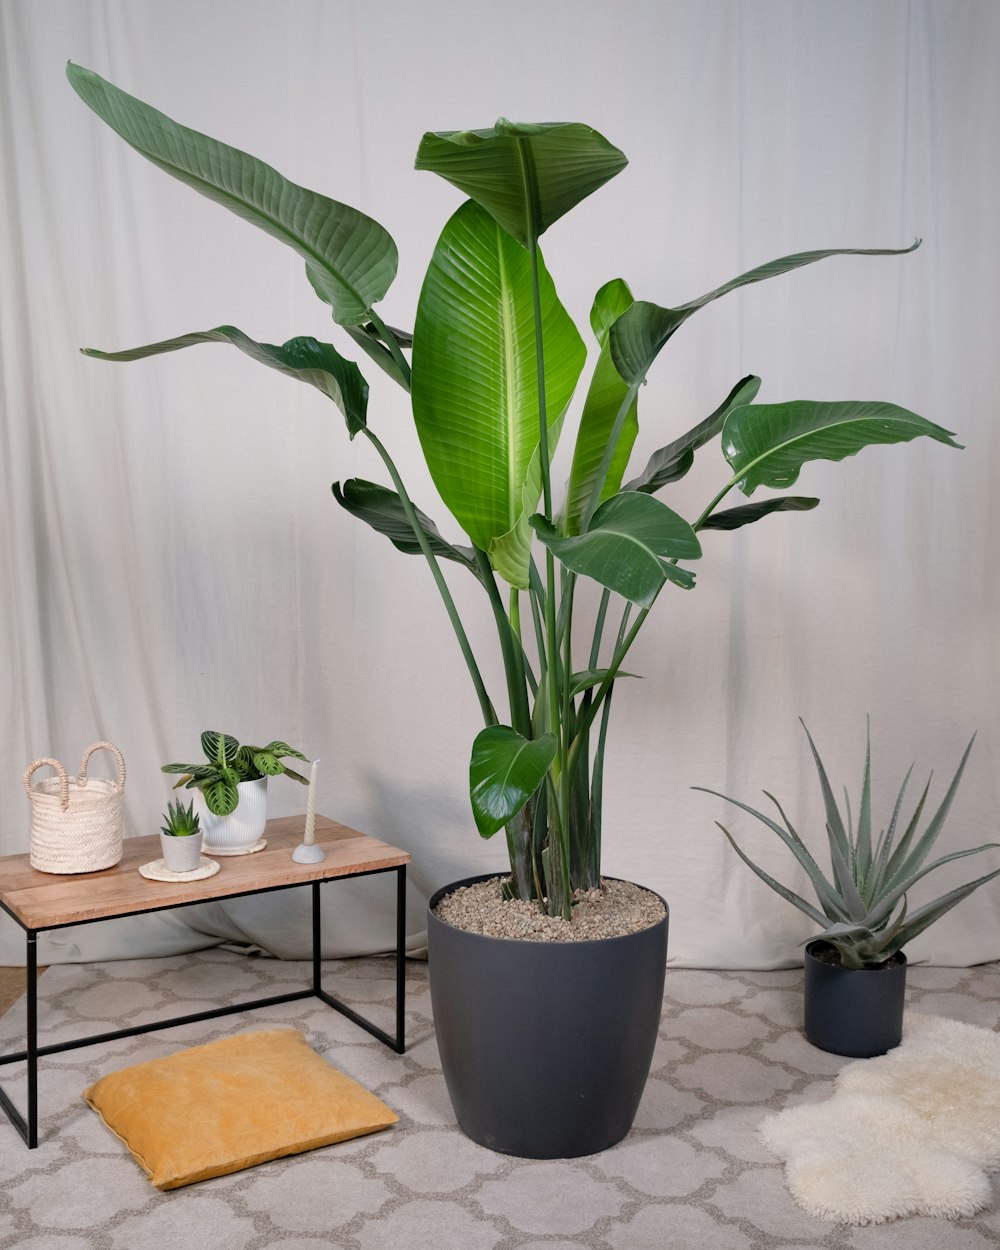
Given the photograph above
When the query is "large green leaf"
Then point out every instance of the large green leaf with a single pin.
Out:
(604, 401)
(525, 176)
(734, 518)
(510, 554)
(671, 463)
(638, 336)
(628, 547)
(505, 771)
(305, 359)
(475, 395)
(350, 259)
(767, 444)
(383, 510)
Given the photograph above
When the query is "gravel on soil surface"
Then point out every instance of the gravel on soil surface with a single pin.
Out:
(616, 909)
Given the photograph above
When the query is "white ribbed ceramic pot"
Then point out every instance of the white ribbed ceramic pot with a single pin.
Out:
(243, 827)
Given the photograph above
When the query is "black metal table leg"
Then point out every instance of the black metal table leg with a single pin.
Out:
(397, 1043)
(31, 964)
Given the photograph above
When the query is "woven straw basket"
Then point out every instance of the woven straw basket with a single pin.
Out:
(77, 823)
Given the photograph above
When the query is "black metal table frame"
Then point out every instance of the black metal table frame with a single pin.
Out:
(28, 1126)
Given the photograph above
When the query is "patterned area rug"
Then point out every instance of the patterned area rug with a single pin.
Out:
(691, 1174)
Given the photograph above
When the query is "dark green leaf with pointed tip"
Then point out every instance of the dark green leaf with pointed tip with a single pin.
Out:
(604, 401)
(638, 336)
(525, 176)
(733, 518)
(305, 359)
(382, 509)
(505, 771)
(629, 547)
(671, 462)
(350, 259)
(767, 444)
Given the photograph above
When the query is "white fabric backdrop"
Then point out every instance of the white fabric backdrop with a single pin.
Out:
(174, 560)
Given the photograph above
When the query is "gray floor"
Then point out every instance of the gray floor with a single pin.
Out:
(691, 1174)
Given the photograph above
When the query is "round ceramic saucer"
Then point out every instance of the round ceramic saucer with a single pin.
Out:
(234, 850)
(158, 871)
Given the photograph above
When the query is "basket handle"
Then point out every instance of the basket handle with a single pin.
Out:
(63, 780)
(102, 746)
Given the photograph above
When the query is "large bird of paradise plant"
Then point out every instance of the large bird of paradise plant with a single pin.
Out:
(492, 366)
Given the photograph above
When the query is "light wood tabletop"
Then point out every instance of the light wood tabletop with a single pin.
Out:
(42, 900)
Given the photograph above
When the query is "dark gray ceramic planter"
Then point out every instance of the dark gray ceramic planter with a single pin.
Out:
(545, 1046)
(853, 1011)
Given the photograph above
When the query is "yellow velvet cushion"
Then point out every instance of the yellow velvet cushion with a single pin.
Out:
(231, 1104)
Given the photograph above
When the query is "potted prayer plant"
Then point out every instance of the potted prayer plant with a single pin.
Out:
(180, 838)
(855, 969)
(231, 788)
(546, 1044)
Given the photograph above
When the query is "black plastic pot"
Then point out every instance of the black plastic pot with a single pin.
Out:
(853, 1011)
(545, 1046)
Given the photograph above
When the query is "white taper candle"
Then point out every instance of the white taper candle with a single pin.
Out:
(309, 837)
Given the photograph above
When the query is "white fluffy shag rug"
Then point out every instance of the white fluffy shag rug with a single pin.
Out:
(912, 1132)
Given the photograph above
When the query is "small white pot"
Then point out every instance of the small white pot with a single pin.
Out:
(243, 827)
(181, 854)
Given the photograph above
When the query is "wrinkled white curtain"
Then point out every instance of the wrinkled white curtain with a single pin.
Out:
(173, 559)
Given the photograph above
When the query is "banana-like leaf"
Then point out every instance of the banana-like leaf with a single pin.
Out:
(305, 359)
(475, 396)
(627, 547)
(638, 336)
(600, 411)
(587, 678)
(767, 444)
(382, 509)
(510, 554)
(525, 176)
(350, 259)
(671, 462)
(505, 771)
(733, 518)
(220, 748)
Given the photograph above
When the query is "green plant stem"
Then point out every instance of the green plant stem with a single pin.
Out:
(510, 649)
(489, 715)
(587, 716)
(602, 612)
(390, 341)
(552, 639)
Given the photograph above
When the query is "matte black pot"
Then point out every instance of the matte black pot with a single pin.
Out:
(853, 1011)
(545, 1046)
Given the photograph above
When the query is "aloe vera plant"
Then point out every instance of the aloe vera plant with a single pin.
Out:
(862, 901)
(491, 367)
(227, 764)
(182, 822)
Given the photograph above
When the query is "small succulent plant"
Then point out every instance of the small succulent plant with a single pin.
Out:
(863, 901)
(182, 822)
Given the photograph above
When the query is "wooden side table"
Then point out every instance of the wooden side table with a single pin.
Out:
(39, 902)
